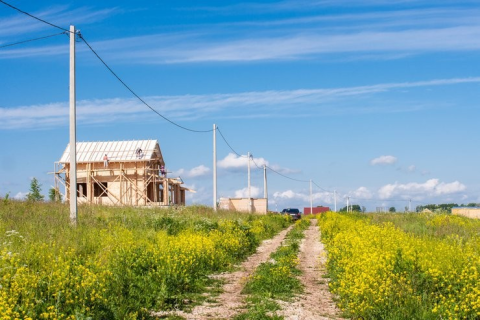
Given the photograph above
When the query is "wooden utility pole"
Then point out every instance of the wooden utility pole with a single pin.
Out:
(73, 132)
(335, 199)
(249, 193)
(265, 190)
(311, 198)
(214, 168)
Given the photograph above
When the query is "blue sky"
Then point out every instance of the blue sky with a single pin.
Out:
(375, 99)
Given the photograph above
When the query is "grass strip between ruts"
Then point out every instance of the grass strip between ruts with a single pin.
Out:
(276, 278)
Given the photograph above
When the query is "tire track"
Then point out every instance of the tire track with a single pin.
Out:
(316, 302)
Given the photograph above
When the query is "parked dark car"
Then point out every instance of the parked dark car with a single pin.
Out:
(293, 212)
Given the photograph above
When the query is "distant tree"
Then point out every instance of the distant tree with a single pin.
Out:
(353, 208)
(356, 208)
(35, 189)
(364, 209)
(447, 207)
(54, 195)
(5, 199)
(392, 209)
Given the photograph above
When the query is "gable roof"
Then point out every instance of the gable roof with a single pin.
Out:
(115, 150)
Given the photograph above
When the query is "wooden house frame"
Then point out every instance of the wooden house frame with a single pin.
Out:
(132, 177)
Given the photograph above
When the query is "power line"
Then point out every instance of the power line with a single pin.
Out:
(228, 144)
(105, 64)
(32, 16)
(133, 92)
(253, 160)
(321, 187)
(129, 89)
(30, 40)
(287, 176)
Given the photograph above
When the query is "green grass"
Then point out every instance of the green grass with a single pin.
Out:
(117, 263)
(433, 225)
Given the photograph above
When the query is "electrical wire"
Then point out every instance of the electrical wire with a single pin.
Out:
(143, 101)
(32, 16)
(321, 187)
(253, 160)
(106, 65)
(286, 176)
(30, 40)
(228, 144)
(133, 92)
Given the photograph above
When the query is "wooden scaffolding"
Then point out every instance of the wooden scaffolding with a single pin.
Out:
(132, 177)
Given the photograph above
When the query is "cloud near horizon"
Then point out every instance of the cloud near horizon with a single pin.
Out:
(430, 188)
(197, 172)
(237, 163)
(255, 192)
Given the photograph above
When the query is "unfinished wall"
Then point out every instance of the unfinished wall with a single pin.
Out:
(259, 205)
(473, 213)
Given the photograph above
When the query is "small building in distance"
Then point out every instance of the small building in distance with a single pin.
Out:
(252, 205)
(315, 210)
(469, 212)
(132, 177)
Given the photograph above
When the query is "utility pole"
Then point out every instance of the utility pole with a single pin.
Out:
(214, 167)
(265, 190)
(335, 199)
(410, 205)
(249, 188)
(73, 132)
(311, 199)
(348, 201)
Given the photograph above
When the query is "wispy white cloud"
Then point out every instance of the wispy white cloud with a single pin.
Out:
(255, 7)
(291, 103)
(63, 16)
(398, 33)
(383, 160)
(410, 169)
(306, 44)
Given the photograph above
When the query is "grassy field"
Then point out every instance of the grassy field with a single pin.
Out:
(404, 266)
(118, 263)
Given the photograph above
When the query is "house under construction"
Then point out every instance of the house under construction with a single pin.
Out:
(133, 175)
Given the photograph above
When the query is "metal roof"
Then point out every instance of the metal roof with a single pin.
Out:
(115, 150)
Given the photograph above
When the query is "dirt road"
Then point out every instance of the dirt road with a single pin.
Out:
(316, 302)
(230, 302)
